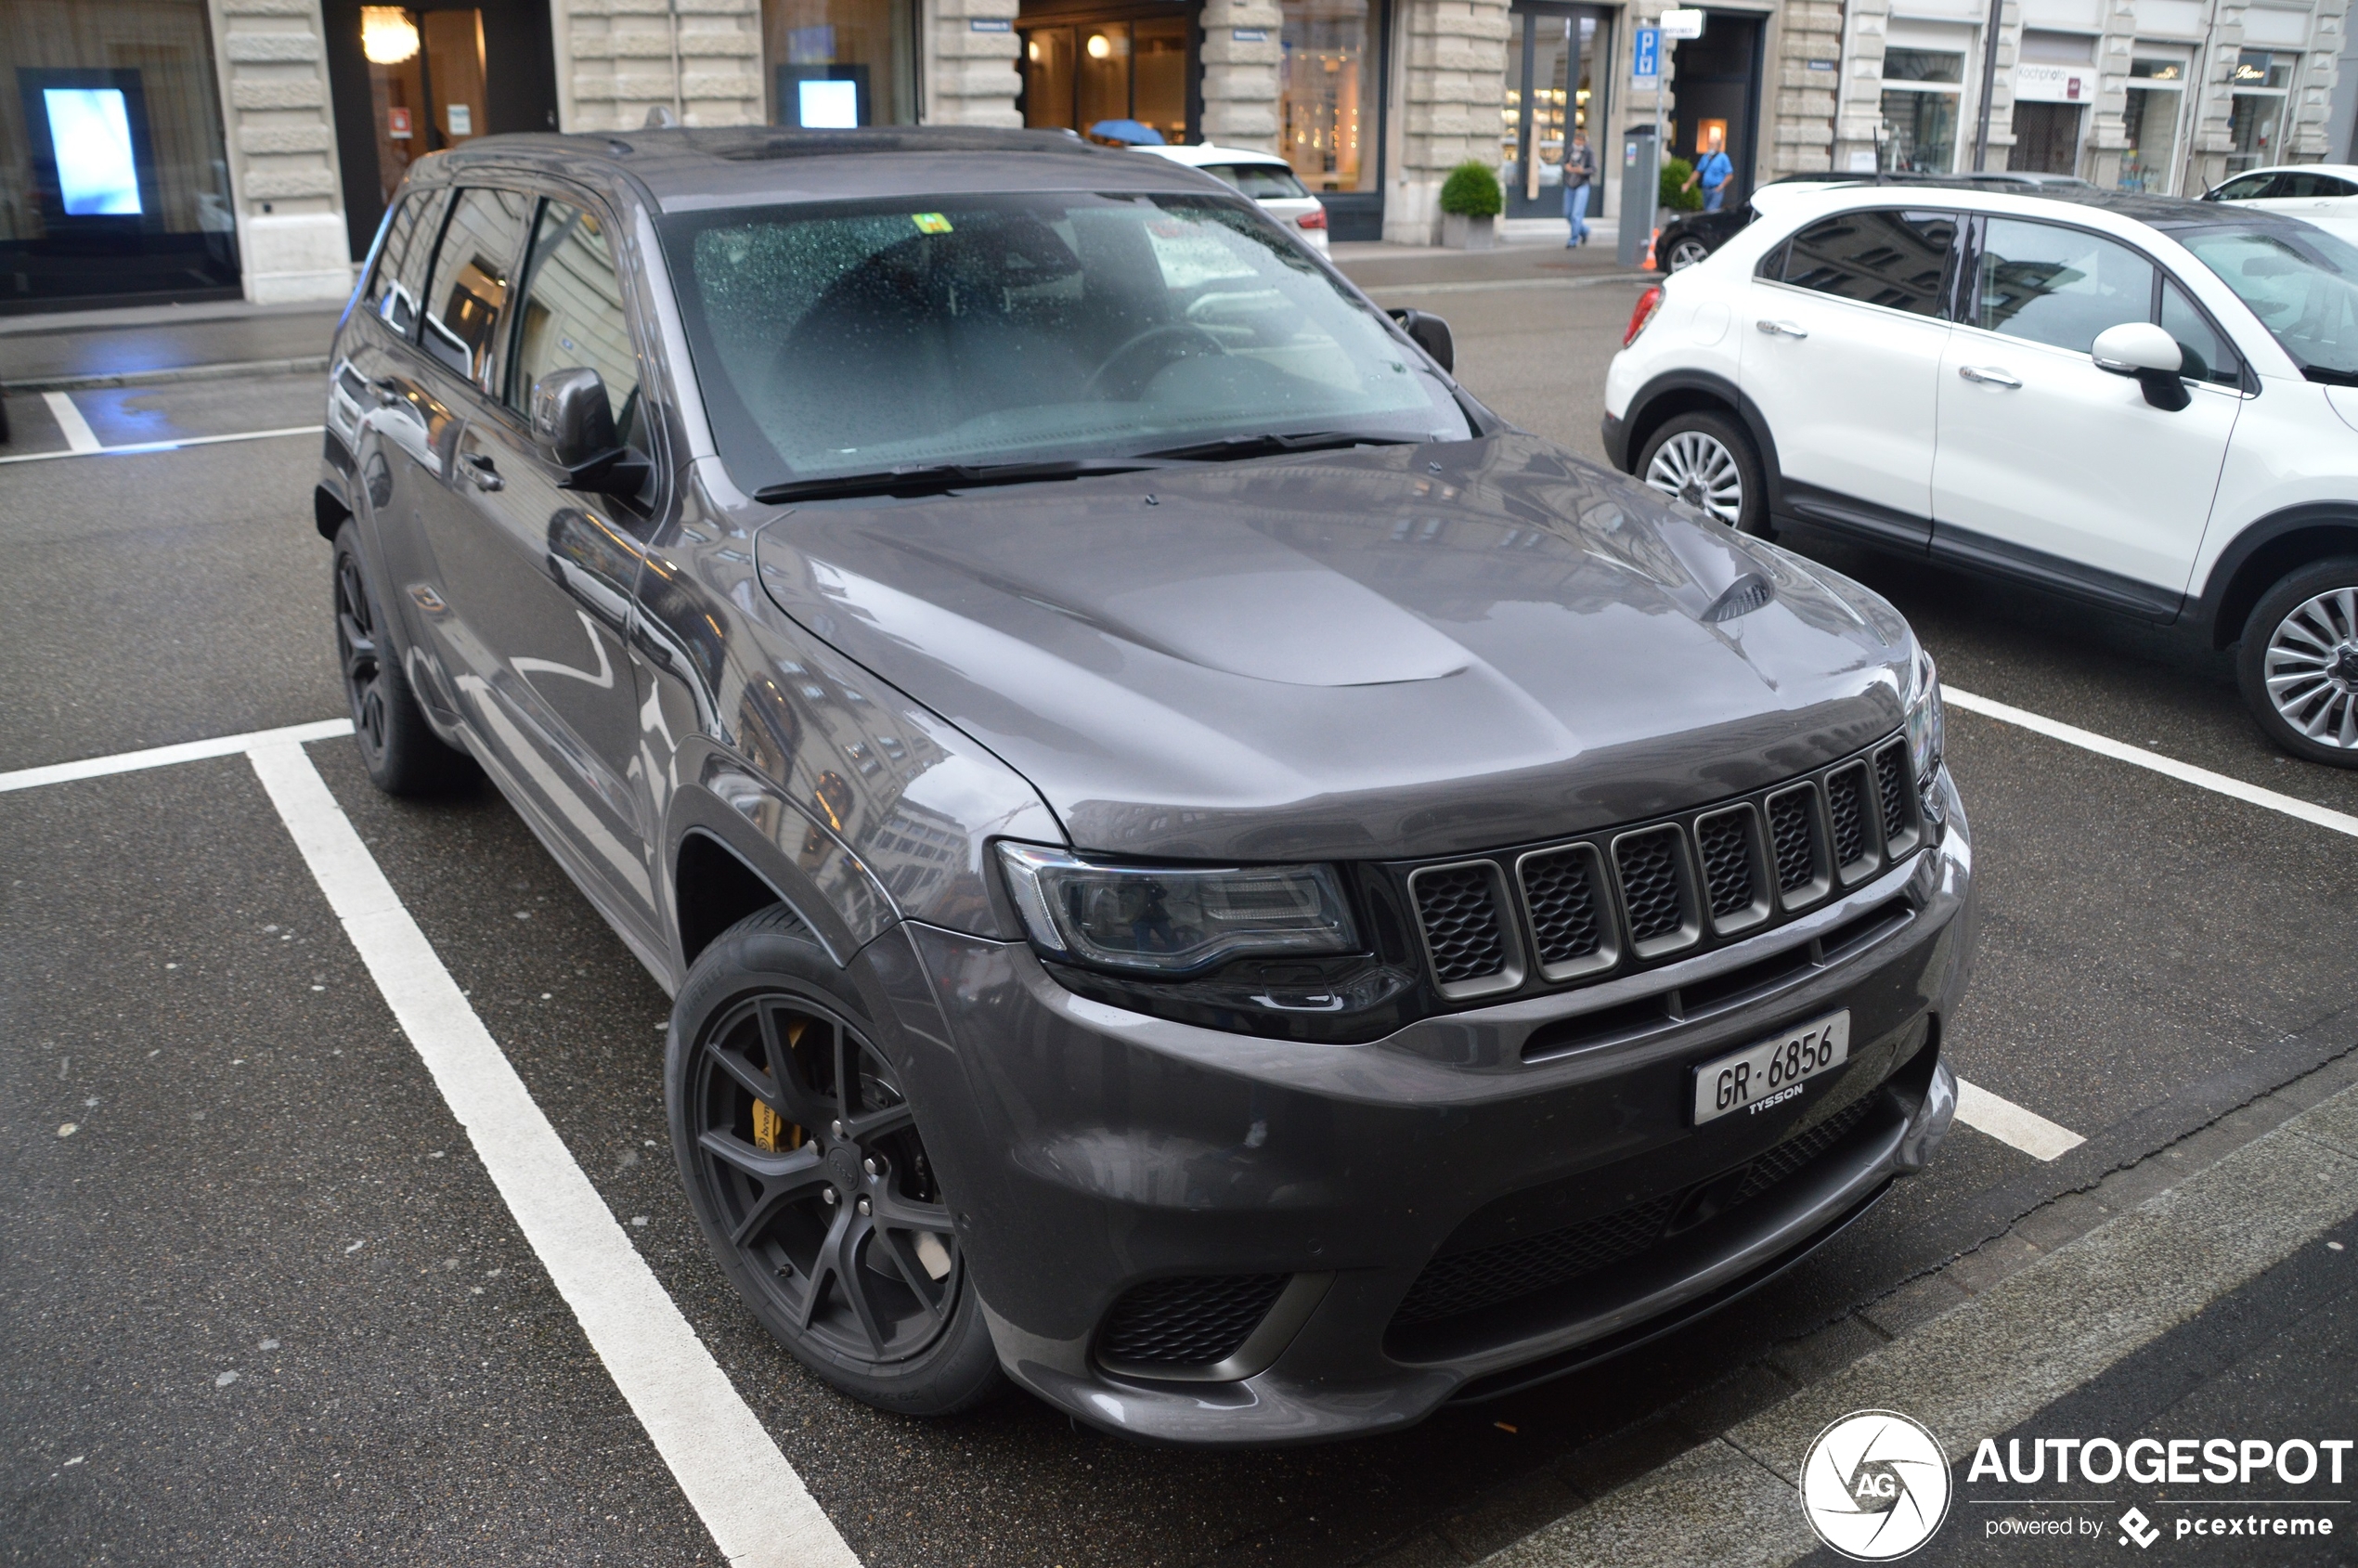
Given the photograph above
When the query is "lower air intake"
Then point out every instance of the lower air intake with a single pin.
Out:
(1189, 1322)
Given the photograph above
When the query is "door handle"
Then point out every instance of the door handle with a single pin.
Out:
(1982, 375)
(480, 474)
(1781, 329)
(388, 391)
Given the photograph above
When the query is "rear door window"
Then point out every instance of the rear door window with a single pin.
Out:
(1891, 257)
(467, 299)
(2048, 284)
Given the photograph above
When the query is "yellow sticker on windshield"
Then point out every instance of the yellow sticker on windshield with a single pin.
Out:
(930, 223)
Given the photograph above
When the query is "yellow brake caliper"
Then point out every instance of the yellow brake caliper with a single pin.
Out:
(768, 1125)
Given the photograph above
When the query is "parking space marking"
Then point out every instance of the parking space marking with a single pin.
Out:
(749, 1498)
(2184, 772)
(80, 437)
(94, 450)
(2011, 1124)
(759, 1513)
(164, 755)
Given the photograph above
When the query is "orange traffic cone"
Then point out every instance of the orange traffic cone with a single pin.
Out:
(1649, 263)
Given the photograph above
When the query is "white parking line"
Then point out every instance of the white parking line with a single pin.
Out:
(2184, 772)
(164, 755)
(94, 450)
(759, 1513)
(80, 437)
(2009, 1123)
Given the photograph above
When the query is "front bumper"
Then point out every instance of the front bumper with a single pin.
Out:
(1615, 432)
(1089, 1149)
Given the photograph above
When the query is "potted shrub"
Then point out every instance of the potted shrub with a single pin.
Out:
(1470, 202)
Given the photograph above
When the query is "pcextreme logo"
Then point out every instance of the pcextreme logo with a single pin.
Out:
(1874, 1486)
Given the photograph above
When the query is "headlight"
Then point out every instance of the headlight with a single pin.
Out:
(1173, 920)
(1924, 730)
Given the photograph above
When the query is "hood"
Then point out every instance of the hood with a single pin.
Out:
(1389, 652)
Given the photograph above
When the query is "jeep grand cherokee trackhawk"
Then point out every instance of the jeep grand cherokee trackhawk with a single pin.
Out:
(1201, 871)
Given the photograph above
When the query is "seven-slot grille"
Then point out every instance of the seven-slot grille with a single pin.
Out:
(1651, 892)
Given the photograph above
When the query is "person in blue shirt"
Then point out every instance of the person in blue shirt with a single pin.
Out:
(1713, 170)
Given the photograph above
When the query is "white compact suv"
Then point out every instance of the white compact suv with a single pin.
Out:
(2297, 189)
(2145, 404)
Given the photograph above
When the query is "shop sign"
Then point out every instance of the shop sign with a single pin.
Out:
(1683, 23)
(2054, 84)
(398, 124)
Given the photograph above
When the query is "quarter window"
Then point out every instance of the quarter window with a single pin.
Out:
(572, 316)
(467, 305)
(2059, 286)
(1892, 258)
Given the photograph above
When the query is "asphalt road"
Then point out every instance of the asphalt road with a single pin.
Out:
(262, 1305)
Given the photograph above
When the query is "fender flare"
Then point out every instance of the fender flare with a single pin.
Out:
(1718, 389)
(2261, 554)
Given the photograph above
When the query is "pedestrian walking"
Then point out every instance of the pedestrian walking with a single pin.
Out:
(1580, 168)
(1714, 169)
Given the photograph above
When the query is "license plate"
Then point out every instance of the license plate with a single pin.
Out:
(1772, 1072)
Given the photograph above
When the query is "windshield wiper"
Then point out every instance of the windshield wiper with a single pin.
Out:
(2326, 377)
(1234, 447)
(934, 479)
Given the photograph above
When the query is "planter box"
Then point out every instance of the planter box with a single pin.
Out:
(1461, 233)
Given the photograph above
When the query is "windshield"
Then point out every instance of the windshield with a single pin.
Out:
(848, 340)
(2301, 283)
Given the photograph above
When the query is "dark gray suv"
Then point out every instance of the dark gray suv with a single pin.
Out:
(1200, 871)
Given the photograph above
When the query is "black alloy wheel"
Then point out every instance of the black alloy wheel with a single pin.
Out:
(403, 754)
(1685, 252)
(806, 1169)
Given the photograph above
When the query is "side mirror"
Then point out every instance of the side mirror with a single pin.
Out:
(2152, 356)
(572, 417)
(1430, 333)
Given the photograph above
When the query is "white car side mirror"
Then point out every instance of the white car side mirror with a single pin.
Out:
(2144, 351)
(2137, 345)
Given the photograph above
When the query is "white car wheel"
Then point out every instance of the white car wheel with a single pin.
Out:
(1696, 467)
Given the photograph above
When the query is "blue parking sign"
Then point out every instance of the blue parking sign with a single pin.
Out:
(1649, 66)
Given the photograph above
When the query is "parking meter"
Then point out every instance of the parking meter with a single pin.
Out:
(1641, 193)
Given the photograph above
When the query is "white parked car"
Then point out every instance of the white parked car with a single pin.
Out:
(2147, 405)
(2300, 189)
(1264, 176)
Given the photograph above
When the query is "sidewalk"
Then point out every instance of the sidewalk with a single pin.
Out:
(68, 350)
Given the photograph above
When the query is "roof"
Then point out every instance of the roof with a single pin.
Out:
(742, 165)
(2160, 212)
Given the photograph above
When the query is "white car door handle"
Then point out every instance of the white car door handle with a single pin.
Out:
(1781, 329)
(1983, 375)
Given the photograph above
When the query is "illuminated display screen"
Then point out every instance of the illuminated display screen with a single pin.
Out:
(90, 131)
(829, 105)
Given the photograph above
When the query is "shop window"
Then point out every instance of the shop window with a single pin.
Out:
(2256, 113)
(1323, 93)
(1920, 93)
(1079, 75)
(113, 176)
(2149, 119)
(839, 63)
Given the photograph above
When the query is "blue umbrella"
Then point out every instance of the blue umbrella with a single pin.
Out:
(1126, 131)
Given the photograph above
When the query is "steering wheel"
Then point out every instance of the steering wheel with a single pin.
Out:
(1173, 333)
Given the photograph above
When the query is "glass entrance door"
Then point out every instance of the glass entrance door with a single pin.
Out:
(1550, 93)
(425, 84)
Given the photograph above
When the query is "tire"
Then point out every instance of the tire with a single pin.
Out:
(2303, 636)
(856, 1271)
(1707, 459)
(1685, 253)
(403, 754)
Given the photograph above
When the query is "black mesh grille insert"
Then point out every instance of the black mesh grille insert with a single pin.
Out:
(1490, 1275)
(1649, 866)
(1460, 917)
(1848, 807)
(1891, 778)
(1791, 829)
(1187, 1322)
(1724, 843)
(1563, 906)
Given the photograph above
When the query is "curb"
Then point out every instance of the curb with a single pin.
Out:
(171, 375)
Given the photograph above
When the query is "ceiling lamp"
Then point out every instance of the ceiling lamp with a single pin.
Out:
(387, 35)
(1099, 46)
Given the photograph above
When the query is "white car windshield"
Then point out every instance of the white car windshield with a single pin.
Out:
(848, 340)
(2302, 283)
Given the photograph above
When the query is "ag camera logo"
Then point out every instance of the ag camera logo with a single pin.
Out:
(1875, 1485)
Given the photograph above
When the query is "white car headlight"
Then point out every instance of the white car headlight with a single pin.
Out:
(1175, 920)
